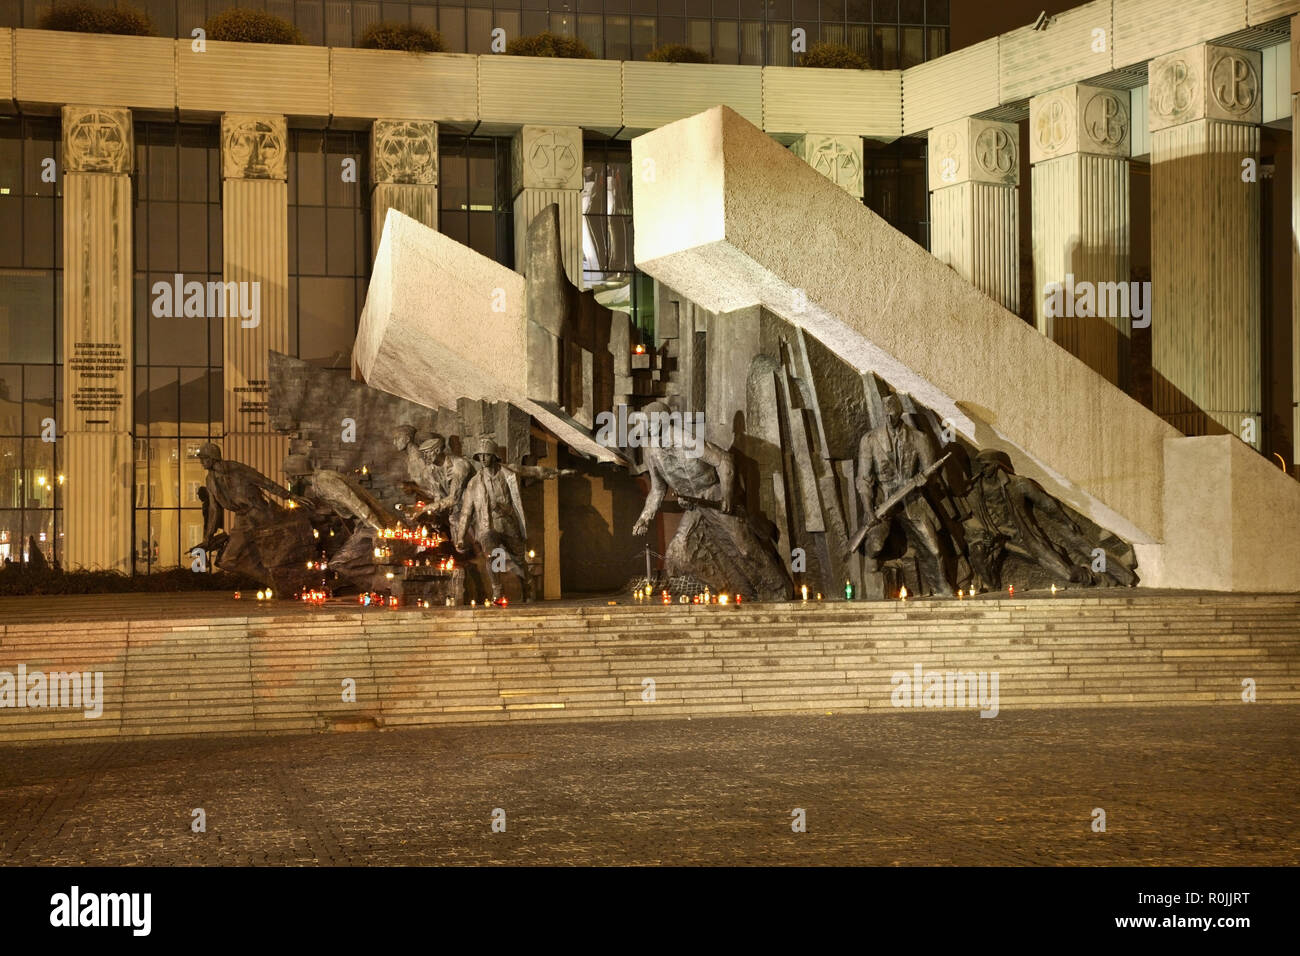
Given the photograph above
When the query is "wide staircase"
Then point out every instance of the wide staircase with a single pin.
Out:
(217, 667)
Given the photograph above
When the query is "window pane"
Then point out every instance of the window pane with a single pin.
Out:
(643, 37)
(164, 540)
(913, 46)
(590, 33)
(341, 244)
(453, 185)
(726, 46)
(618, 38)
(194, 401)
(38, 397)
(751, 42)
(11, 401)
(27, 316)
(478, 25)
(38, 473)
(11, 526)
(779, 43)
(311, 248)
(884, 54)
(11, 464)
(326, 321)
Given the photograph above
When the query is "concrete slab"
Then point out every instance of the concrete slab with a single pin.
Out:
(728, 218)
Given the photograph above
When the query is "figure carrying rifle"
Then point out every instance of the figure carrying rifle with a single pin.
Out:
(895, 463)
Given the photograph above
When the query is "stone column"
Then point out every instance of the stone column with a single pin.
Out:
(403, 173)
(255, 220)
(974, 172)
(1295, 241)
(551, 581)
(1079, 146)
(1205, 107)
(546, 162)
(838, 158)
(95, 454)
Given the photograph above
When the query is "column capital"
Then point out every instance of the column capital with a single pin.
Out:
(1079, 119)
(974, 150)
(546, 157)
(97, 139)
(1206, 82)
(404, 152)
(838, 158)
(253, 146)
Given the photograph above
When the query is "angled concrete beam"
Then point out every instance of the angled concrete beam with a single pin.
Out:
(730, 219)
(442, 322)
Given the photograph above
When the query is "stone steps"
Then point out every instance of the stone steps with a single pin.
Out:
(276, 669)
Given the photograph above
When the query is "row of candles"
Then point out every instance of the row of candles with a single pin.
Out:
(903, 595)
(646, 594)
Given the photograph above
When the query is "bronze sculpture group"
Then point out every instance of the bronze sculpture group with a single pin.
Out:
(955, 520)
(256, 527)
(968, 523)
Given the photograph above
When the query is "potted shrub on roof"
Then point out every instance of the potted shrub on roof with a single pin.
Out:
(401, 36)
(550, 44)
(82, 17)
(252, 26)
(677, 53)
(834, 56)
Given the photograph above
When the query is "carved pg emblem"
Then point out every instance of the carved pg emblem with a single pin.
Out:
(1105, 119)
(1174, 90)
(995, 151)
(1053, 125)
(552, 158)
(946, 151)
(1234, 83)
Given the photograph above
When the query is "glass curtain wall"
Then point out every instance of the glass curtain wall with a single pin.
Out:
(178, 361)
(31, 280)
(894, 33)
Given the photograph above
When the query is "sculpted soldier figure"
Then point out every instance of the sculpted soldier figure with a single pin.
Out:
(236, 489)
(449, 474)
(348, 499)
(714, 543)
(492, 511)
(891, 457)
(1012, 514)
(420, 478)
(343, 494)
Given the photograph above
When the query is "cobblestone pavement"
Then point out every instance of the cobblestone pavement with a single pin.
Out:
(1192, 786)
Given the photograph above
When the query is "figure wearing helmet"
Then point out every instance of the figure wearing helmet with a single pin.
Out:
(492, 511)
(237, 489)
(448, 475)
(889, 457)
(1012, 514)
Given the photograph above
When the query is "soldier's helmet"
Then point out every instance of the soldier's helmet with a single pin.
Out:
(992, 458)
(297, 466)
(486, 448)
(208, 450)
(658, 421)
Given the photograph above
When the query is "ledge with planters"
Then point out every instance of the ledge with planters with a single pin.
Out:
(319, 85)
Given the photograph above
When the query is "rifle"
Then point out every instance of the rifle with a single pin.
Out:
(919, 480)
(701, 502)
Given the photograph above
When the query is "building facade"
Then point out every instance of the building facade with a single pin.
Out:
(155, 164)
